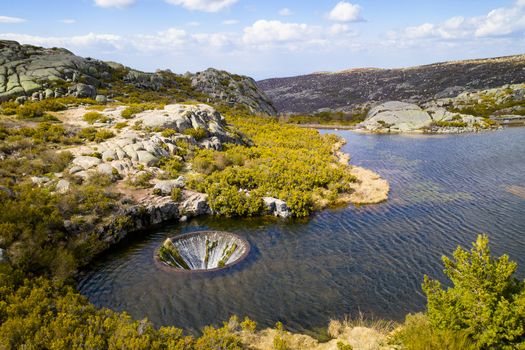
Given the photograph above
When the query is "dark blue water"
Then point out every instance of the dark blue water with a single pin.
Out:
(444, 191)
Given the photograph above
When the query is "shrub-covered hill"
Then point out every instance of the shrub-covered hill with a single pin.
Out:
(30, 72)
(346, 90)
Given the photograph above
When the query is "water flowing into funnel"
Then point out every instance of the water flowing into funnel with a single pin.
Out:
(202, 251)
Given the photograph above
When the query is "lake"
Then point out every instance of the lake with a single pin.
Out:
(371, 259)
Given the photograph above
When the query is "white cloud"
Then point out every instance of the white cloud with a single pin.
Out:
(339, 28)
(114, 3)
(102, 41)
(68, 21)
(230, 22)
(287, 12)
(345, 12)
(218, 40)
(203, 5)
(11, 20)
(500, 22)
(269, 32)
(194, 24)
(266, 34)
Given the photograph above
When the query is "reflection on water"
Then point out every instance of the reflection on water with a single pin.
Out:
(444, 190)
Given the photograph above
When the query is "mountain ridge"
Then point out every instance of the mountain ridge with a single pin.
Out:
(350, 89)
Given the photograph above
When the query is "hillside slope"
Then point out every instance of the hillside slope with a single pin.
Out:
(34, 72)
(345, 90)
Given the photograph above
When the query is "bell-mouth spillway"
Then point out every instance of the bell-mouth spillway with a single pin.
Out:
(202, 251)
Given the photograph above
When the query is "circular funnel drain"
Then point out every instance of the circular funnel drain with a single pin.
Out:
(202, 251)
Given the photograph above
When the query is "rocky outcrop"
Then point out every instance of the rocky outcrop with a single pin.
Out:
(277, 207)
(42, 73)
(153, 210)
(30, 72)
(233, 89)
(347, 90)
(135, 149)
(396, 116)
(181, 117)
(166, 187)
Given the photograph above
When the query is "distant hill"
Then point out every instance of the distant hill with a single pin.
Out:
(31, 72)
(343, 91)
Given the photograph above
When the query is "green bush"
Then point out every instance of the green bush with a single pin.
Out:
(97, 135)
(168, 133)
(133, 109)
(220, 338)
(121, 125)
(29, 110)
(485, 300)
(171, 165)
(8, 108)
(142, 180)
(93, 117)
(248, 325)
(343, 346)
(280, 341)
(227, 200)
(129, 112)
(451, 124)
(176, 194)
(198, 133)
(40, 314)
(417, 333)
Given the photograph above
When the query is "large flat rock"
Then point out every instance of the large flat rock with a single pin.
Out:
(396, 116)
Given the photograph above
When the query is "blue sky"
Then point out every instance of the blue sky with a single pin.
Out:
(269, 38)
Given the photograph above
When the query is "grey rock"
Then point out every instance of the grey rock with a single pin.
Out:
(86, 162)
(81, 90)
(26, 69)
(109, 155)
(40, 180)
(396, 116)
(75, 169)
(211, 143)
(277, 207)
(3, 256)
(48, 93)
(146, 158)
(21, 99)
(62, 186)
(194, 204)
(232, 89)
(101, 99)
(105, 168)
(165, 187)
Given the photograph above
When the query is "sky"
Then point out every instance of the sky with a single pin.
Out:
(266, 39)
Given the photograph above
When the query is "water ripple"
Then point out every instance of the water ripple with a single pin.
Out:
(445, 190)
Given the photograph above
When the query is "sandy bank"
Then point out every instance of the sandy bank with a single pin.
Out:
(370, 188)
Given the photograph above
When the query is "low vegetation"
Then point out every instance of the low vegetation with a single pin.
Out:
(285, 162)
(328, 118)
(130, 111)
(95, 117)
(487, 106)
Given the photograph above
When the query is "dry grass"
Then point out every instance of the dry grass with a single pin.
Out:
(369, 188)
(362, 333)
